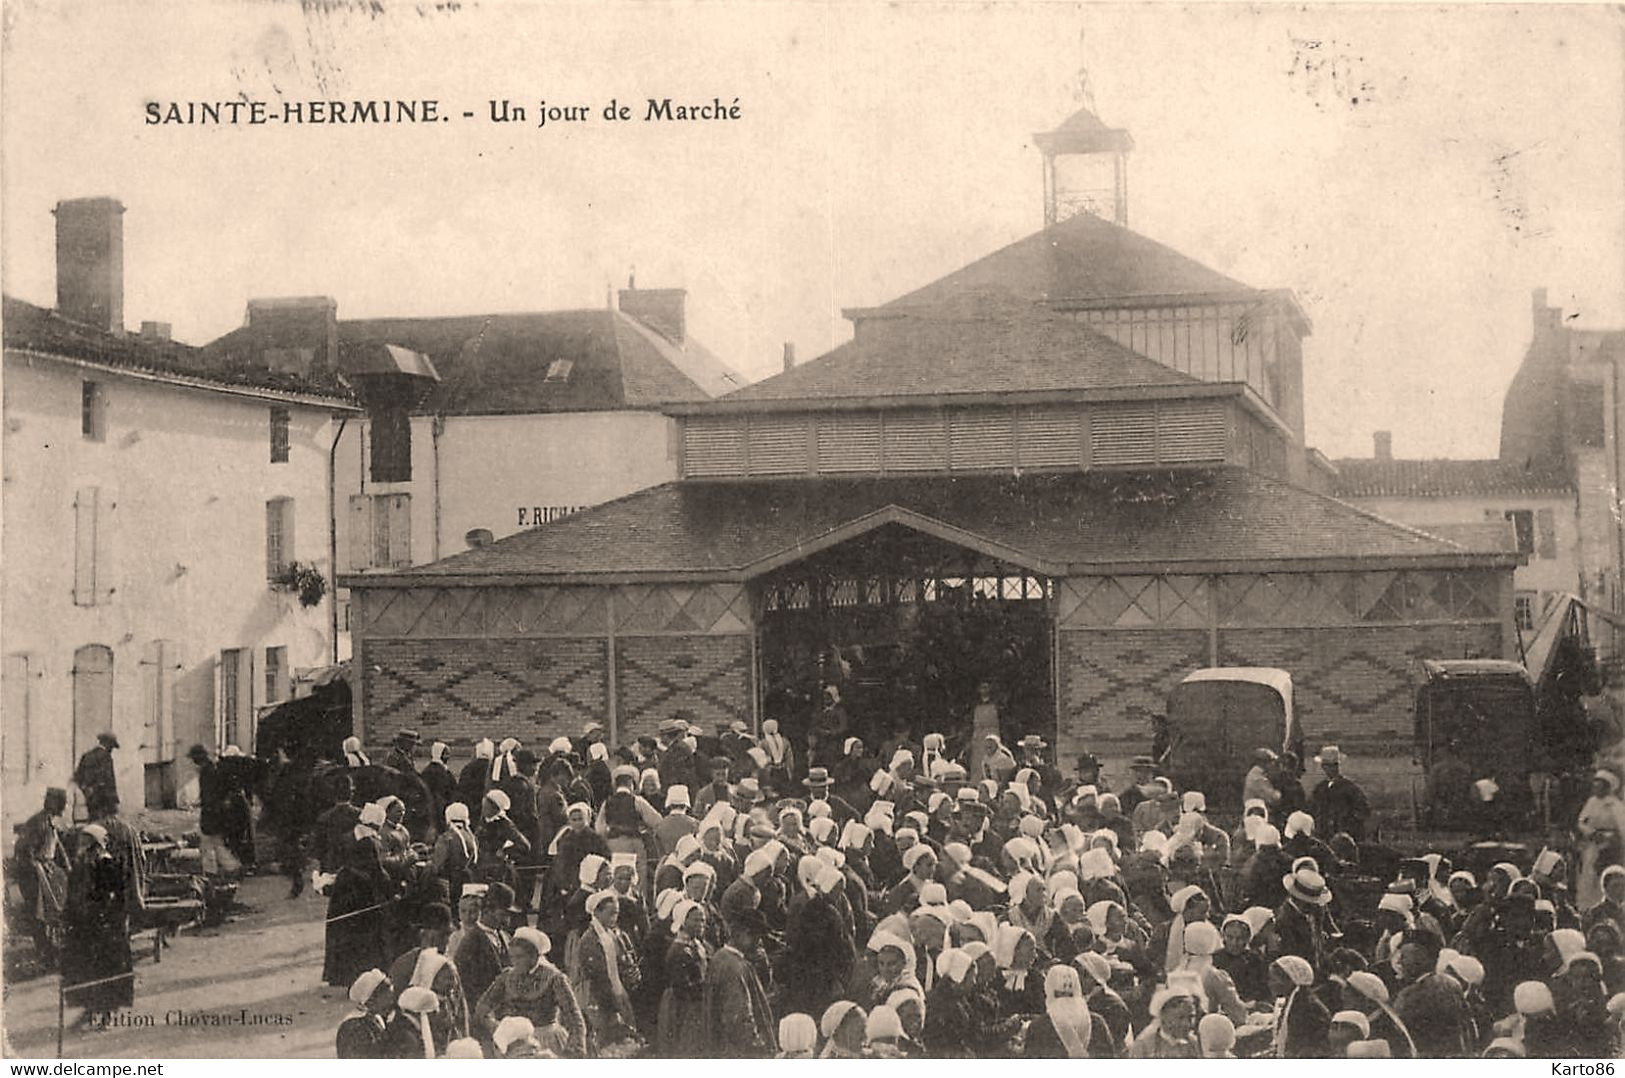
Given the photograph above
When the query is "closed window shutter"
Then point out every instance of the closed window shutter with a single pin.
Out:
(84, 546)
(155, 728)
(849, 443)
(1050, 438)
(360, 531)
(778, 445)
(106, 545)
(1545, 534)
(983, 439)
(400, 530)
(1123, 435)
(278, 536)
(16, 731)
(713, 446)
(1190, 432)
(916, 442)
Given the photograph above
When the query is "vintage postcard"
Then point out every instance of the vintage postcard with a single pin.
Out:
(840, 530)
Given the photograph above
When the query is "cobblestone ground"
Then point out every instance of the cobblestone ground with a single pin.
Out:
(260, 972)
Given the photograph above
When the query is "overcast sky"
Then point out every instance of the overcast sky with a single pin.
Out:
(1412, 173)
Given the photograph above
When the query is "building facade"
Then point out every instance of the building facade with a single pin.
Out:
(152, 514)
(1074, 469)
(478, 427)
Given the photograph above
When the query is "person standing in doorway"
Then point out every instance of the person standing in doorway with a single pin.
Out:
(95, 779)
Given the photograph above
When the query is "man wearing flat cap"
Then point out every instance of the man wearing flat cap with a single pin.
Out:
(95, 779)
(401, 752)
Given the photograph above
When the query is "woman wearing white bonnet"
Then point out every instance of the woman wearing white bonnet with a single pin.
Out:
(515, 1038)
(361, 1036)
(409, 1034)
(534, 989)
(798, 1037)
(843, 1026)
(356, 916)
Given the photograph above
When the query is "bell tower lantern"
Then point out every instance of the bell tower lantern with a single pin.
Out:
(1085, 169)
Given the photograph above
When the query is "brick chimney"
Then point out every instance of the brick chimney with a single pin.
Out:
(1382, 447)
(661, 309)
(90, 262)
(789, 354)
(297, 334)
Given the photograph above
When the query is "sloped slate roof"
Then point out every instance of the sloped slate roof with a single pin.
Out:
(1081, 258)
(32, 328)
(1363, 478)
(497, 364)
(991, 352)
(1497, 535)
(1166, 520)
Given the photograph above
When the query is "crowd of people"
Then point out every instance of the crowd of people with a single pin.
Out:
(696, 895)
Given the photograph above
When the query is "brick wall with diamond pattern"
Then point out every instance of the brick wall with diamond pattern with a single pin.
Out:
(1112, 682)
(461, 690)
(705, 678)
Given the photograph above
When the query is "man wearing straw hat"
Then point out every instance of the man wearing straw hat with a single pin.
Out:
(1338, 804)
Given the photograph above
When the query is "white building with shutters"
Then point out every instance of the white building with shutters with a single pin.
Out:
(149, 509)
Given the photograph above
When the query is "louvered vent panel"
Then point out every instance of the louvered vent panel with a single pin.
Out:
(984, 438)
(713, 446)
(916, 442)
(849, 443)
(778, 445)
(1123, 435)
(1050, 438)
(1190, 431)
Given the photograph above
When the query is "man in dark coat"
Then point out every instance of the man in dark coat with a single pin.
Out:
(482, 953)
(95, 779)
(335, 826)
(402, 751)
(42, 870)
(1301, 919)
(1337, 803)
(738, 1017)
(214, 816)
(676, 758)
(438, 778)
(475, 776)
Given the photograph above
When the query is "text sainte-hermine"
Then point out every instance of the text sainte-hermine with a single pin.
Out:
(430, 110)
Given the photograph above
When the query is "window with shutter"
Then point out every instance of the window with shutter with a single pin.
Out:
(360, 528)
(1191, 432)
(778, 445)
(713, 446)
(1123, 434)
(1050, 438)
(1523, 523)
(390, 445)
(17, 731)
(229, 732)
(983, 438)
(92, 695)
(276, 674)
(93, 412)
(397, 508)
(86, 503)
(279, 435)
(1545, 533)
(849, 442)
(278, 536)
(916, 442)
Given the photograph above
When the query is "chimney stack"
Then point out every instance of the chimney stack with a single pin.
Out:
(90, 262)
(1383, 445)
(789, 354)
(155, 331)
(661, 309)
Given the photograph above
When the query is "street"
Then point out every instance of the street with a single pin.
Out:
(247, 989)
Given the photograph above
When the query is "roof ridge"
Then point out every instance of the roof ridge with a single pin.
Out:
(622, 321)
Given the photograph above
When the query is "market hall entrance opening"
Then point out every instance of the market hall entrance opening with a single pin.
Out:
(904, 626)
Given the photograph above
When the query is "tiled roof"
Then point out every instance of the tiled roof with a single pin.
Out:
(1496, 535)
(992, 352)
(35, 329)
(498, 364)
(1365, 478)
(1167, 520)
(1082, 258)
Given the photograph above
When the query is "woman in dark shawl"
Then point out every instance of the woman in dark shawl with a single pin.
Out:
(96, 951)
(357, 914)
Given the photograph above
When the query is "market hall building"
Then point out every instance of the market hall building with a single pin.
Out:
(1074, 469)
